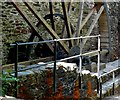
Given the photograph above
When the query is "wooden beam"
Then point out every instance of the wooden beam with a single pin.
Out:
(79, 20)
(85, 20)
(47, 26)
(26, 63)
(28, 20)
(51, 12)
(93, 24)
(64, 34)
(67, 23)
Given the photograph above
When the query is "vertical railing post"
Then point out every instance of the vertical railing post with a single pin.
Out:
(98, 65)
(100, 88)
(97, 86)
(16, 68)
(80, 64)
(113, 83)
(55, 58)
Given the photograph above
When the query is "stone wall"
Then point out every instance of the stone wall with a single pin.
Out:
(0, 34)
(14, 28)
(119, 30)
(114, 13)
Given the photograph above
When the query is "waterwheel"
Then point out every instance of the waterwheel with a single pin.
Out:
(75, 19)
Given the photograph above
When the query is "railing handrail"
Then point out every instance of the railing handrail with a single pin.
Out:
(55, 55)
(109, 72)
(48, 41)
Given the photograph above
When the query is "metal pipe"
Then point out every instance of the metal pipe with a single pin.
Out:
(47, 41)
(113, 83)
(98, 65)
(55, 59)
(109, 72)
(80, 63)
(97, 86)
(100, 88)
(16, 68)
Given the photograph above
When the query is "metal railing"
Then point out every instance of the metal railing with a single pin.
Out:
(64, 59)
(113, 78)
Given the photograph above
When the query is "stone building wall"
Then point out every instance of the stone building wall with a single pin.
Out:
(14, 28)
(118, 30)
(114, 14)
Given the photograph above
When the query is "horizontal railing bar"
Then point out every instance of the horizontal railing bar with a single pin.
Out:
(116, 81)
(48, 41)
(64, 59)
(88, 53)
(75, 38)
(109, 72)
(29, 43)
(84, 54)
(68, 58)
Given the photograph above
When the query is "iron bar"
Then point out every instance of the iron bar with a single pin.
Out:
(97, 86)
(113, 83)
(55, 60)
(80, 63)
(109, 72)
(98, 68)
(16, 68)
(47, 41)
(98, 65)
(100, 88)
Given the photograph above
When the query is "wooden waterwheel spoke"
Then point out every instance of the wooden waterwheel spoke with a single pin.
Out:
(47, 26)
(51, 12)
(79, 19)
(63, 34)
(85, 20)
(93, 24)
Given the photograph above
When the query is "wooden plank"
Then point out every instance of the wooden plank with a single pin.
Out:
(51, 12)
(93, 24)
(67, 23)
(46, 25)
(64, 34)
(79, 20)
(28, 20)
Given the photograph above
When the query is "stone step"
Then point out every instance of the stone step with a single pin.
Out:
(94, 66)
